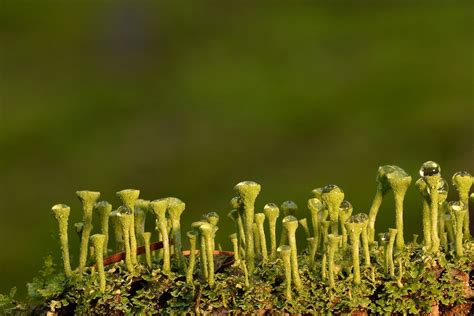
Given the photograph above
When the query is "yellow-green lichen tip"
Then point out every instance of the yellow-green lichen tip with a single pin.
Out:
(315, 205)
(88, 198)
(284, 250)
(142, 204)
(128, 197)
(159, 207)
(103, 207)
(259, 218)
(61, 211)
(317, 193)
(248, 191)
(290, 223)
(271, 210)
(462, 180)
(175, 207)
(98, 240)
(212, 217)
(357, 222)
(289, 208)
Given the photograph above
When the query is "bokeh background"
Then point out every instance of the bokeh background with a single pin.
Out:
(187, 99)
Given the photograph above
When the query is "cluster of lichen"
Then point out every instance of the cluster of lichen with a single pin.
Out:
(342, 267)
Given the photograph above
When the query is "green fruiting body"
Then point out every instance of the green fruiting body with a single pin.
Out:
(141, 208)
(61, 213)
(256, 239)
(208, 230)
(118, 234)
(98, 240)
(290, 224)
(235, 202)
(333, 243)
(355, 224)
(333, 196)
(345, 211)
(235, 246)
(104, 208)
(288, 208)
(391, 267)
(285, 254)
(421, 185)
(399, 181)
(203, 251)
(159, 208)
(259, 220)
(88, 199)
(365, 246)
(146, 239)
(192, 237)
(128, 198)
(175, 210)
(315, 206)
(248, 192)
(459, 211)
(431, 174)
(382, 188)
(312, 248)
(304, 223)
(125, 221)
(272, 213)
(463, 182)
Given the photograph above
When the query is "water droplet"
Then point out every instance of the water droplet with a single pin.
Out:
(384, 237)
(429, 168)
(345, 205)
(289, 207)
(358, 218)
(456, 205)
(330, 187)
(123, 210)
(443, 186)
(317, 192)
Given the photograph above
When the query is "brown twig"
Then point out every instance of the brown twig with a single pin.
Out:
(117, 257)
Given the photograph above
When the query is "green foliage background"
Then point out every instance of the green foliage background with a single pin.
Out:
(187, 99)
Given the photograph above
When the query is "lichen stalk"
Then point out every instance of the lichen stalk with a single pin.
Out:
(399, 181)
(192, 237)
(334, 242)
(175, 210)
(208, 230)
(288, 208)
(365, 246)
(285, 254)
(88, 199)
(259, 221)
(312, 245)
(457, 208)
(391, 267)
(125, 221)
(98, 240)
(118, 234)
(374, 208)
(431, 174)
(463, 182)
(159, 208)
(355, 224)
(128, 198)
(421, 185)
(146, 239)
(290, 224)
(256, 239)
(104, 208)
(235, 246)
(272, 213)
(333, 196)
(345, 211)
(202, 251)
(248, 192)
(61, 214)
(315, 206)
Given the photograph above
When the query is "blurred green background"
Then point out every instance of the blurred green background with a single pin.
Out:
(187, 99)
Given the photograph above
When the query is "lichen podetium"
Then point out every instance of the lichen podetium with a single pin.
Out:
(324, 277)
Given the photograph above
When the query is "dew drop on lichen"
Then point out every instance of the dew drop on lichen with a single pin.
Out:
(429, 168)
(345, 205)
(384, 237)
(123, 210)
(456, 205)
(330, 187)
(358, 218)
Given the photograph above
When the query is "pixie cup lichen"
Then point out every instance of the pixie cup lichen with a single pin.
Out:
(128, 198)
(125, 219)
(290, 224)
(333, 243)
(355, 224)
(104, 208)
(61, 213)
(315, 206)
(285, 253)
(248, 192)
(288, 208)
(345, 211)
(272, 212)
(192, 237)
(463, 181)
(459, 211)
(159, 207)
(430, 171)
(88, 199)
(333, 196)
(259, 220)
(175, 210)
(146, 239)
(98, 240)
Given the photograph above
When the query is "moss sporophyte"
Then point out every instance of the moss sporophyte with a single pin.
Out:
(339, 268)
